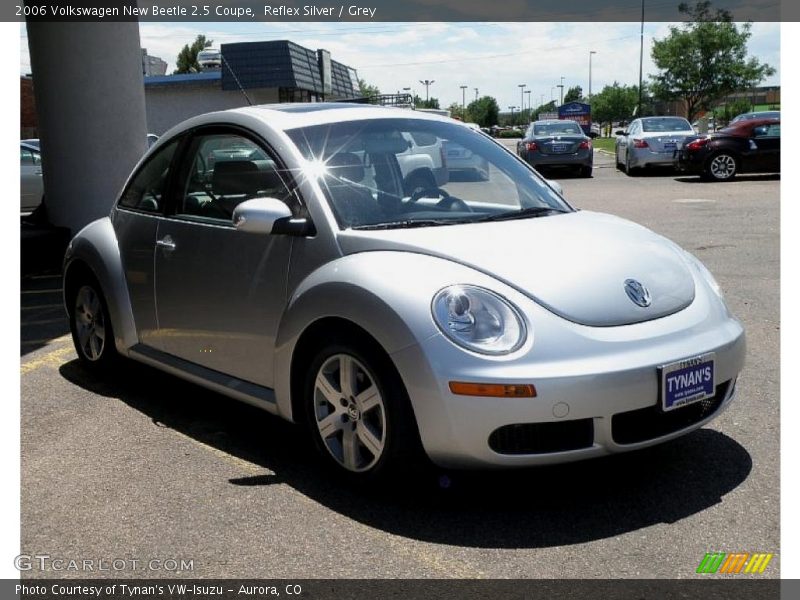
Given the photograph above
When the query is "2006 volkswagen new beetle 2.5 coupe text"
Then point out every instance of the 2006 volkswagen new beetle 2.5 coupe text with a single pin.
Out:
(317, 261)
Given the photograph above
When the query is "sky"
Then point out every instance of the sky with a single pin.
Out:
(493, 57)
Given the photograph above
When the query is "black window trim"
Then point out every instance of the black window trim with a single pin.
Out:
(184, 163)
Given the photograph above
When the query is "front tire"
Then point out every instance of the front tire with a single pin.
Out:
(90, 324)
(721, 167)
(357, 411)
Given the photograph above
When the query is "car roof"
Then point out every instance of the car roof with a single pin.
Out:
(304, 114)
(747, 124)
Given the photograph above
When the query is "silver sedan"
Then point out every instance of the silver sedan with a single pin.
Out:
(273, 254)
(650, 142)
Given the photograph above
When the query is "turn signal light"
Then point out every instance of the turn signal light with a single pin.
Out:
(494, 390)
(640, 144)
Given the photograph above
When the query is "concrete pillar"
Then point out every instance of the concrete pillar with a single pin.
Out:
(89, 90)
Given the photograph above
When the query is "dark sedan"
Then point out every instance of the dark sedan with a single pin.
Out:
(557, 143)
(747, 146)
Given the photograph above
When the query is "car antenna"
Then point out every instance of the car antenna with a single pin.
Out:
(236, 79)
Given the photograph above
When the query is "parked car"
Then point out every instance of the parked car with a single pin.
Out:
(557, 144)
(762, 114)
(747, 146)
(650, 142)
(31, 186)
(488, 324)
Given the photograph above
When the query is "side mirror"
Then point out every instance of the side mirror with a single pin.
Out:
(619, 132)
(268, 216)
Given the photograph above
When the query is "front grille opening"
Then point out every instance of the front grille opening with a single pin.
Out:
(543, 438)
(649, 423)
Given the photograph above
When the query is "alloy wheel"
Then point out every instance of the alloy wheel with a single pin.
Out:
(722, 166)
(350, 413)
(90, 323)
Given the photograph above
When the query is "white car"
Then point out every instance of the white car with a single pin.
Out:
(31, 185)
(650, 142)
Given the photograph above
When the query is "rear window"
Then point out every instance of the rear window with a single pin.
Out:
(566, 128)
(666, 124)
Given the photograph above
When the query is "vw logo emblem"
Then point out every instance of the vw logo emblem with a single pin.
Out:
(638, 294)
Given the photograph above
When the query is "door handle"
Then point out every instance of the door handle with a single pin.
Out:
(166, 244)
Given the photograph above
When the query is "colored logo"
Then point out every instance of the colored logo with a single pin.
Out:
(734, 563)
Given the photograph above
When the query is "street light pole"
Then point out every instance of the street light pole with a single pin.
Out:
(521, 87)
(591, 52)
(464, 99)
(512, 113)
(641, 59)
(427, 83)
(530, 108)
(476, 94)
(562, 91)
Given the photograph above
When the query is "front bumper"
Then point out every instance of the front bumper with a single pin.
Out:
(597, 388)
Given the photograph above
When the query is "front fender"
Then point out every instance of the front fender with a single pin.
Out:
(386, 293)
(96, 246)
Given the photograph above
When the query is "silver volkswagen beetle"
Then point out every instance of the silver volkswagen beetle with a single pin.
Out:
(283, 256)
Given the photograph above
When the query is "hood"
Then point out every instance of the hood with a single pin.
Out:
(574, 264)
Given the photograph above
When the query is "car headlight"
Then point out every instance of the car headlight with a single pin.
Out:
(478, 320)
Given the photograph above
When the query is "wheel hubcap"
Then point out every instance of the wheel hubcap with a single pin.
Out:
(90, 323)
(350, 413)
(723, 166)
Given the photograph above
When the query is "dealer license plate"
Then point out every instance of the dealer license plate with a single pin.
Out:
(687, 381)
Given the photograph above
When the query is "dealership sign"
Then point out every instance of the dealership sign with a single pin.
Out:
(578, 112)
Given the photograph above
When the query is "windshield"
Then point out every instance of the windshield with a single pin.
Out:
(666, 124)
(563, 128)
(386, 173)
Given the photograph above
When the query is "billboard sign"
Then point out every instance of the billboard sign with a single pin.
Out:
(578, 112)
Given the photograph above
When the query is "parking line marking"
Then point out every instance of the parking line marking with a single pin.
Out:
(54, 358)
(44, 321)
(42, 306)
(51, 291)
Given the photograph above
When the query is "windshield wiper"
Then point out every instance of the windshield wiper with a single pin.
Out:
(411, 223)
(533, 211)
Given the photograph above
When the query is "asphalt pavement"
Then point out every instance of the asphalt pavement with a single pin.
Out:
(138, 466)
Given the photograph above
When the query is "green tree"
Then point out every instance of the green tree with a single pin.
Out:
(187, 57)
(366, 90)
(456, 110)
(484, 111)
(549, 107)
(705, 59)
(430, 103)
(614, 103)
(574, 94)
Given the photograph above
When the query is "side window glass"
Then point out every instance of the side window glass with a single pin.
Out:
(25, 157)
(145, 191)
(225, 170)
(774, 130)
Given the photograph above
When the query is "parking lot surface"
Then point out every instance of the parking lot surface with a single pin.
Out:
(138, 465)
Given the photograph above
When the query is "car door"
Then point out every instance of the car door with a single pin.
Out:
(31, 186)
(765, 144)
(220, 292)
(135, 218)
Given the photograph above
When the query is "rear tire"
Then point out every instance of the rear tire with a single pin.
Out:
(721, 167)
(90, 324)
(358, 413)
(585, 171)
